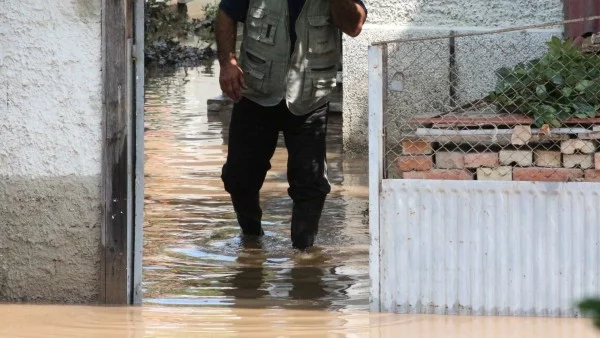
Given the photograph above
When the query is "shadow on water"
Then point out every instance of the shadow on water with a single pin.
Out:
(193, 252)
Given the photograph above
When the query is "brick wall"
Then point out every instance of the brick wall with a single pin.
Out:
(561, 155)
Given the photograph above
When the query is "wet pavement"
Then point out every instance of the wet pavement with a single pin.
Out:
(193, 254)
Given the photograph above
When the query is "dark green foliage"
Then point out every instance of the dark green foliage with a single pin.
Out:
(592, 307)
(563, 84)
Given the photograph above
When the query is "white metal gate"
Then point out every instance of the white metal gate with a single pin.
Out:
(476, 207)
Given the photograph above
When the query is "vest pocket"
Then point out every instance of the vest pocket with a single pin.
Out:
(318, 83)
(261, 25)
(321, 35)
(256, 72)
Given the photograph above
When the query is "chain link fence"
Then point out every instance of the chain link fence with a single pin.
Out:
(518, 104)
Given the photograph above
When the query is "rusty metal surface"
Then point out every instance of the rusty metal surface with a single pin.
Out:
(578, 9)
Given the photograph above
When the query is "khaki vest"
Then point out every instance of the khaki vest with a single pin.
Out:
(306, 78)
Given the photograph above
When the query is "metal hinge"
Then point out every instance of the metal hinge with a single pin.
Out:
(133, 52)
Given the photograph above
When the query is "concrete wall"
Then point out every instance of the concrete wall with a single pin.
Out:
(50, 153)
(420, 18)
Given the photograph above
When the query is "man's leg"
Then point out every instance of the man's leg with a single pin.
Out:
(252, 140)
(307, 173)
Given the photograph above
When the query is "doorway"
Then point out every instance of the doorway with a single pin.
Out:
(192, 251)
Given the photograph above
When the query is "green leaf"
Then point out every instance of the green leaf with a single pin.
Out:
(539, 121)
(583, 85)
(503, 72)
(584, 109)
(555, 44)
(541, 92)
(555, 123)
(521, 71)
(533, 63)
(554, 76)
(567, 91)
(558, 80)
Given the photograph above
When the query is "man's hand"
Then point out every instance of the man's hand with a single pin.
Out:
(232, 80)
(231, 77)
(348, 16)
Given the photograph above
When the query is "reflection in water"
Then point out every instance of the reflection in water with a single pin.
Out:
(193, 253)
(300, 282)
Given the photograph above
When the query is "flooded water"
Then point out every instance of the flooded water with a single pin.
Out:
(193, 253)
(148, 321)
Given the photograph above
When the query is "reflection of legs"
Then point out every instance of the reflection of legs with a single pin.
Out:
(249, 274)
(252, 140)
(246, 283)
(307, 176)
(307, 283)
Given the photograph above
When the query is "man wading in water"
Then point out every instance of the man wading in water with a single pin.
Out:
(281, 82)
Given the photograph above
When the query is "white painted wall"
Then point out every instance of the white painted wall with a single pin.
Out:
(461, 13)
(50, 88)
(419, 18)
(50, 150)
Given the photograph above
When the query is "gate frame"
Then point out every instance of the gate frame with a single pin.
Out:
(122, 156)
(377, 80)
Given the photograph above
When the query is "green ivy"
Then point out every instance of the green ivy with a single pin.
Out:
(563, 84)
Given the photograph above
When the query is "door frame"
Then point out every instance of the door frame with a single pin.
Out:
(123, 152)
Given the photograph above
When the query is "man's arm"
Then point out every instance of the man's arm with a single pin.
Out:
(231, 77)
(348, 15)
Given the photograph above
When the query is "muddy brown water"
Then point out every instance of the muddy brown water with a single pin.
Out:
(150, 321)
(193, 252)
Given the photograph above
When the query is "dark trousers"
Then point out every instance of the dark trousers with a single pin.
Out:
(253, 134)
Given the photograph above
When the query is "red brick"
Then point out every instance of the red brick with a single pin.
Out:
(439, 174)
(482, 160)
(547, 174)
(416, 147)
(592, 175)
(419, 163)
(449, 160)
